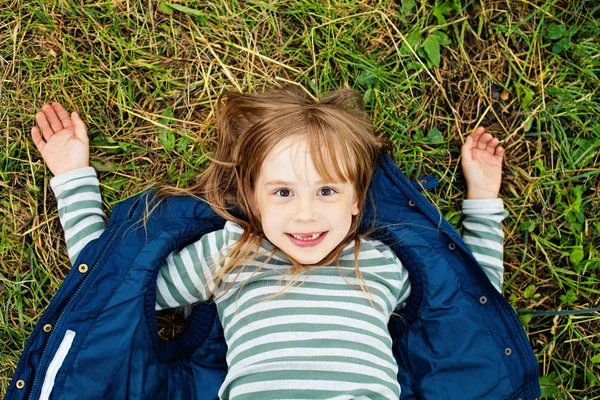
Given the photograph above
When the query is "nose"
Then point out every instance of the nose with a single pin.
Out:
(306, 210)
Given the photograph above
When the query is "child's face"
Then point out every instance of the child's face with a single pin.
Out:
(302, 205)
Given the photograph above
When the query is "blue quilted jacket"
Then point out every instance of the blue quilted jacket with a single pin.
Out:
(457, 338)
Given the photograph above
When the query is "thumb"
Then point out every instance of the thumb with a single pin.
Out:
(465, 150)
(80, 128)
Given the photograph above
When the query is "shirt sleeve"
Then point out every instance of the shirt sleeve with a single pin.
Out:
(482, 233)
(79, 208)
(399, 274)
(185, 278)
(404, 292)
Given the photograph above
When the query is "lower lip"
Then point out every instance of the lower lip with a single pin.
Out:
(307, 243)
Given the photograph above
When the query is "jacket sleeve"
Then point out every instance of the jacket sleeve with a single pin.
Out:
(482, 233)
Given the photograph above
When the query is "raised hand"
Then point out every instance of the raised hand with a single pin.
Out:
(482, 165)
(65, 145)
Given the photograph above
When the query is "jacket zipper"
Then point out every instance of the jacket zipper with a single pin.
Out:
(62, 313)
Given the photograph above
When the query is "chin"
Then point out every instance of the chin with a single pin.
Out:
(308, 261)
(313, 262)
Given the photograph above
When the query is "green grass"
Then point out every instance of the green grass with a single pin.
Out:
(145, 77)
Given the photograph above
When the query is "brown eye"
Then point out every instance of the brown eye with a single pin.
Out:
(283, 190)
(329, 191)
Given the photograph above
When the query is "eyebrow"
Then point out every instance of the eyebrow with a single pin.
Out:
(272, 183)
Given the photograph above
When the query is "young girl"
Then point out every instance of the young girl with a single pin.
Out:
(290, 175)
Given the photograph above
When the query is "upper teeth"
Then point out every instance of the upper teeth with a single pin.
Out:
(313, 237)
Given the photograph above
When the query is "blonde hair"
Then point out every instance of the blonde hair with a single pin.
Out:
(342, 144)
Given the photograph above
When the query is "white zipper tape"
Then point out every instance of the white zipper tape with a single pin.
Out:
(56, 363)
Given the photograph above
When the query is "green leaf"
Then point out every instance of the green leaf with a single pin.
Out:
(166, 117)
(577, 227)
(440, 17)
(562, 44)
(164, 7)
(549, 385)
(457, 5)
(125, 146)
(105, 166)
(443, 39)
(525, 94)
(413, 41)
(202, 20)
(441, 10)
(446, 8)
(576, 255)
(116, 184)
(432, 48)
(527, 226)
(596, 358)
(556, 31)
(110, 145)
(102, 141)
(185, 9)
(408, 5)
(368, 96)
(183, 143)
(528, 123)
(434, 136)
(454, 217)
(166, 136)
(167, 140)
(528, 292)
(570, 298)
(525, 318)
(366, 78)
(591, 376)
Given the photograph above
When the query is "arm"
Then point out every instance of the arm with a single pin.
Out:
(482, 228)
(65, 150)
(79, 208)
(183, 279)
(180, 281)
(482, 233)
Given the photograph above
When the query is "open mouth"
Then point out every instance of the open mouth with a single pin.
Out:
(307, 240)
(307, 237)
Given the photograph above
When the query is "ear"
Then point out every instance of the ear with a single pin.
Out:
(355, 208)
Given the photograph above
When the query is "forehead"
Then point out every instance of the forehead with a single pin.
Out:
(291, 161)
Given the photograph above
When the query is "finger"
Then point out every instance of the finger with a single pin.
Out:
(63, 116)
(477, 133)
(492, 145)
(42, 122)
(465, 150)
(499, 151)
(52, 118)
(483, 141)
(80, 128)
(37, 139)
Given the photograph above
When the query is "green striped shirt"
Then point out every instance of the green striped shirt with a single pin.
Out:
(321, 338)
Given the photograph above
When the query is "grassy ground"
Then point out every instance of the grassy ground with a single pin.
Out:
(145, 75)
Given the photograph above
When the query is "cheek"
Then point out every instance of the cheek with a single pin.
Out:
(256, 204)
